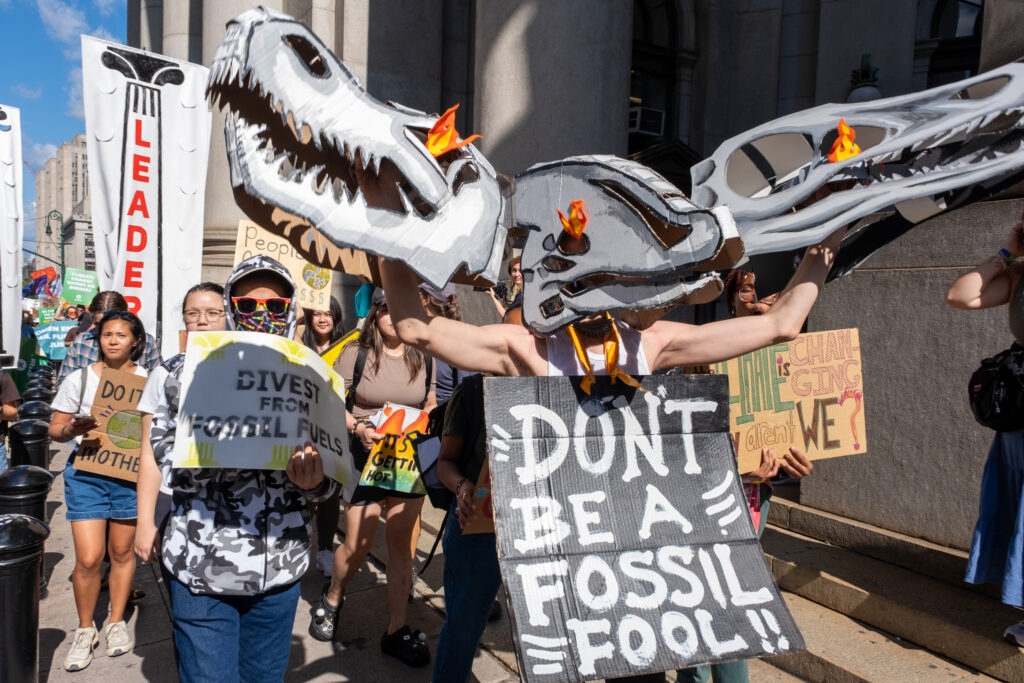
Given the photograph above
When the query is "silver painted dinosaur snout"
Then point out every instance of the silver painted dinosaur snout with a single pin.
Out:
(305, 137)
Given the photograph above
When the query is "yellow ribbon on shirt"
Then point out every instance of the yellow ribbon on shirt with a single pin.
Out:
(612, 341)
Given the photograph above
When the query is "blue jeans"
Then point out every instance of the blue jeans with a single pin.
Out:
(3, 455)
(471, 582)
(233, 637)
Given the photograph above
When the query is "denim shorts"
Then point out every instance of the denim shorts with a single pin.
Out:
(94, 496)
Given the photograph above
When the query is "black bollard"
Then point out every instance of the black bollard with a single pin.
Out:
(23, 491)
(21, 554)
(39, 381)
(35, 410)
(37, 394)
(30, 443)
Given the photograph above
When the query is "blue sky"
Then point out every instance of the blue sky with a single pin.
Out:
(41, 52)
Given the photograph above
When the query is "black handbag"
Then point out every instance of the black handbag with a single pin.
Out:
(996, 390)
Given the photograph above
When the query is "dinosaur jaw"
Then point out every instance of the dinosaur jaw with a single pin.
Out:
(922, 153)
(304, 137)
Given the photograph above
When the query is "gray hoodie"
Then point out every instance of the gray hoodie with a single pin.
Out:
(232, 532)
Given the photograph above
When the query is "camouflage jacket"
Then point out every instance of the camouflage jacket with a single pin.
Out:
(231, 532)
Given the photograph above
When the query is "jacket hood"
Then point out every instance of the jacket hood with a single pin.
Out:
(254, 264)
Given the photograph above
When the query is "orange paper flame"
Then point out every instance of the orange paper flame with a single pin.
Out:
(577, 220)
(443, 137)
(844, 147)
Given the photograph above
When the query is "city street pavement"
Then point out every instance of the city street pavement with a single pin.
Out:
(354, 655)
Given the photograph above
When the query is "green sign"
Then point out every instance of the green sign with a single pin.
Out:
(46, 315)
(80, 286)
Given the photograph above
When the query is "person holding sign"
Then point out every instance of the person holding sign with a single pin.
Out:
(93, 499)
(387, 371)
(237, 541)
(85, 348)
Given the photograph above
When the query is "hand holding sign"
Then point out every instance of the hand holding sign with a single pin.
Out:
(305, 468)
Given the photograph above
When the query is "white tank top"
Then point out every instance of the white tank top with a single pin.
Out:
(562, 359)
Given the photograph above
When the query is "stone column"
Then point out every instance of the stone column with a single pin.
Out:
(145, 24)
(1001, 37)
(552, 80)
(182, 30)
(221, 214)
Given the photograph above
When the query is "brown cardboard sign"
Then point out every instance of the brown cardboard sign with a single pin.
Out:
(624, 538)
(807, 393)
(313, 282)
(483, 522)
(114, 446)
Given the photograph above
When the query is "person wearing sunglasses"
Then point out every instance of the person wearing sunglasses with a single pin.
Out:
(237, 541)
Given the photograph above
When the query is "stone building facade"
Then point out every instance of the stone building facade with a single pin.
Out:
(62, 185)
(667, 81)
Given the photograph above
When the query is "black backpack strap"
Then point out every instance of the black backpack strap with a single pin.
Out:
(357, 374)
(437, 541)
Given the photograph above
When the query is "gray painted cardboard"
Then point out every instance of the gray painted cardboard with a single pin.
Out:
(597, 587)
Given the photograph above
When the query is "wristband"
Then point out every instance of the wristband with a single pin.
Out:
(458, 487)
(1007, 257)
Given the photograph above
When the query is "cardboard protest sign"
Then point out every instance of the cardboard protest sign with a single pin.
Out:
(80, 286)
(807, 393)
(483, 523)
(248, 399)
(625, 543)
(114, 446)
(314, 282)
(51, 338)
(393, 464)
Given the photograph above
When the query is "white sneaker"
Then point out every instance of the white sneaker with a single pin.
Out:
(1015, 634)
(118, 640)
(80, 654)
(325, 562)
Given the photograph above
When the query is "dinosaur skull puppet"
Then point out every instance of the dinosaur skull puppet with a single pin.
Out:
(920, 154)
(644, 245)
(313, 156)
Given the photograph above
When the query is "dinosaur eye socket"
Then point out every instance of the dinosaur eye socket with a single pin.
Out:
(308, 54)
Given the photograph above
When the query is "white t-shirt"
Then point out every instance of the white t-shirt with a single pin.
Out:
(70, 390)
(154, 391)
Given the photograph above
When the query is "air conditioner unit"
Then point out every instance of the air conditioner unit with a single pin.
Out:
(646, 121)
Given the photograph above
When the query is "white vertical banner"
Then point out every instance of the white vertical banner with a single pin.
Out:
(11, 230)
(148, 130)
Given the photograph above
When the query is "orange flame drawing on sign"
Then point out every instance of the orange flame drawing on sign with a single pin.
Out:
(443, 137)
(844, 147)
(577, 220)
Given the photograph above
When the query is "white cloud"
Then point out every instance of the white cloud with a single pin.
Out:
(62, 21)
(22, 90)
(38, 153)
(106, 6)
(76, 105)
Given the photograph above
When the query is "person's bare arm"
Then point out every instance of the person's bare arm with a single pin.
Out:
(508, 350)
(675, 344)
(991, 283)
(147, 537)
(9, 411)
(64, 429)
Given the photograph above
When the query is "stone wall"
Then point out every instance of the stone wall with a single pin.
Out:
(922, 471)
